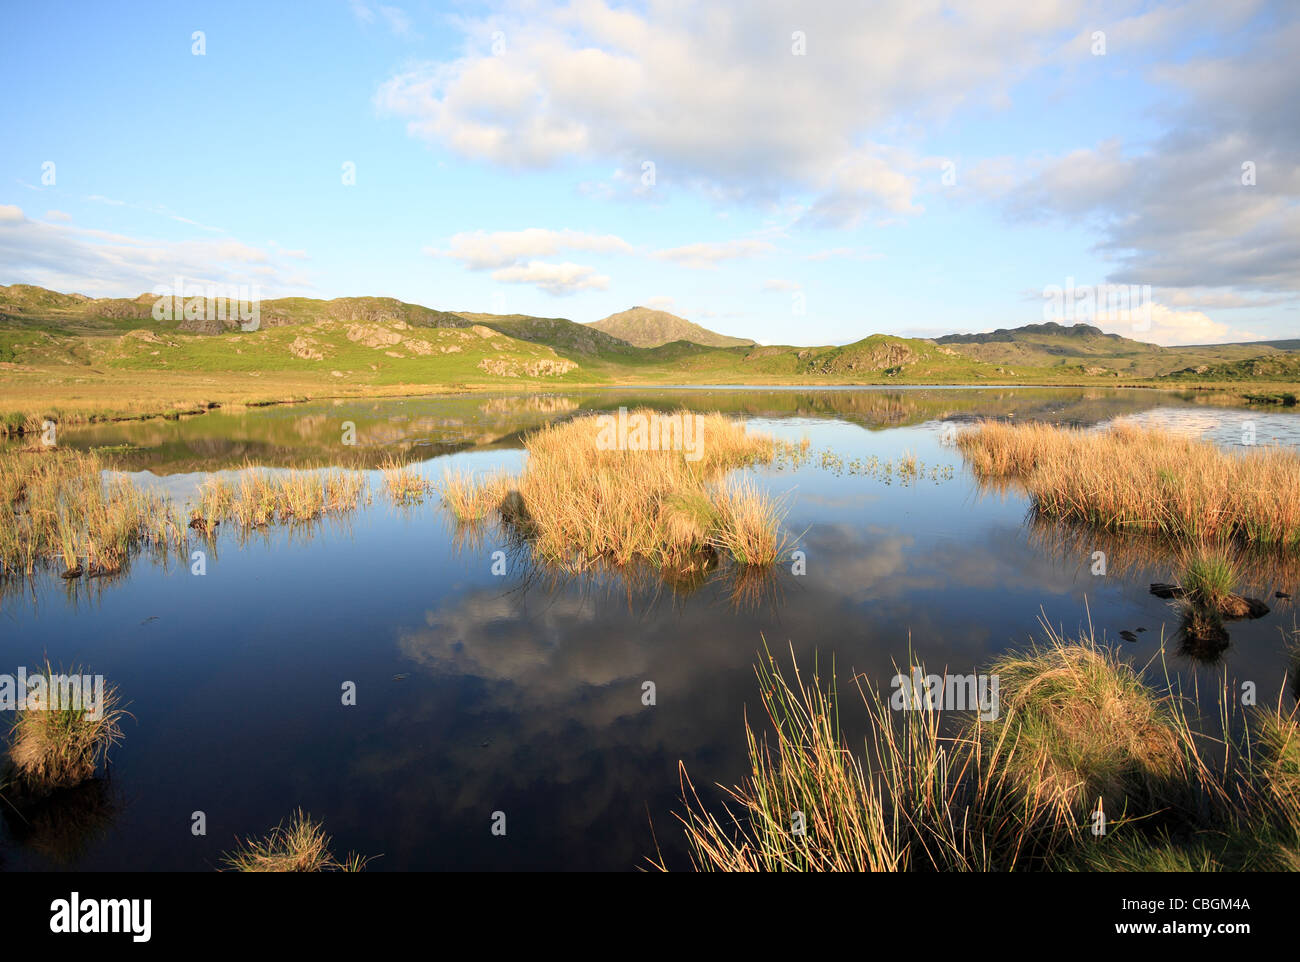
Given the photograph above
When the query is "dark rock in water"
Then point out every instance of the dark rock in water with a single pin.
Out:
(1235, 606)
(1140, 630)
(1166, 591)
(72, 573)
(1280, 594)
(1128, 636)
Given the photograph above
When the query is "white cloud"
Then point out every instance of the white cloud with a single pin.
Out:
(483, 250)
(57, 215)
(397, 20)
(714, 96)
(105, 264)
(1174, 210)
(557, 279)
(661, 302)
(1168, 327)
(707, 256)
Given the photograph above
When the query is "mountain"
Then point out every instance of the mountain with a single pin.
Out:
(1082, 349)
(365, 342)
(556, 332)
(646, 327)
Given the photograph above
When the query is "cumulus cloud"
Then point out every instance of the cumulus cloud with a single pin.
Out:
(1169, 327)
(727, 99)
(707, 255)
(106, 264)
(1211, 203)
(558, 279)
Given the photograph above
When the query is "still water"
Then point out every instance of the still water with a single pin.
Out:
(522, 693)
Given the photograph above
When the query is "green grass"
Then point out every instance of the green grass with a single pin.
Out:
(1079, 732)
(1210, 577)
(60, 746)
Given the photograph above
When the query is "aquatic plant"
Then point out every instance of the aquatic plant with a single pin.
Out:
(1083, 767)
(404, 485)
(580, 501)
(54, 744)
(299, 846)
(1137, 479)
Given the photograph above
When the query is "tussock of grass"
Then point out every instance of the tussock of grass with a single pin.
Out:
(1079, 727)
(1076, 725)
(404, 485)
(299, 846)
(747, 524)
(470, 498)
(915, 799)
(1210, 576)
(578, 504)
(59, 746)
(1130, 478)
(56, 509)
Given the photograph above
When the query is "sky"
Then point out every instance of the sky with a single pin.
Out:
(797, 173)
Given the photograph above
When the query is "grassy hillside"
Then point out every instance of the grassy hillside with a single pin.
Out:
(1083, 350)
(557, 332)
(646, 327)
(1280, 366)
(110, 358)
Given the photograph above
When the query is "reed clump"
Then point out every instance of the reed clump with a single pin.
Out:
(470, 498)
(301, 845)
(580, 500)
(59, 511)
(404, 485)
(1079, 729)
(57, 740)
(1083, 766)
(1128, 478)
(1210, 576)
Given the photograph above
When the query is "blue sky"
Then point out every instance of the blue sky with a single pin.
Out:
(798, 193)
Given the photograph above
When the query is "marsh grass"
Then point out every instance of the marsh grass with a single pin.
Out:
(63, 510)
(747, 524)
(59, 509)
(404, 486)
(1082, 730)
(914, 799)
(579, 504)
(299, 846)
(1078, 733)
(1128, 478)
(1210, 576)
(60, 746)
(469, 498)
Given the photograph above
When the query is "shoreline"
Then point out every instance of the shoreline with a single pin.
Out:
(16, 422)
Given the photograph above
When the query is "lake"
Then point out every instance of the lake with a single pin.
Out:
(522, 692)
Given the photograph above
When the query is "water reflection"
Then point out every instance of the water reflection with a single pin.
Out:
(524, 691)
